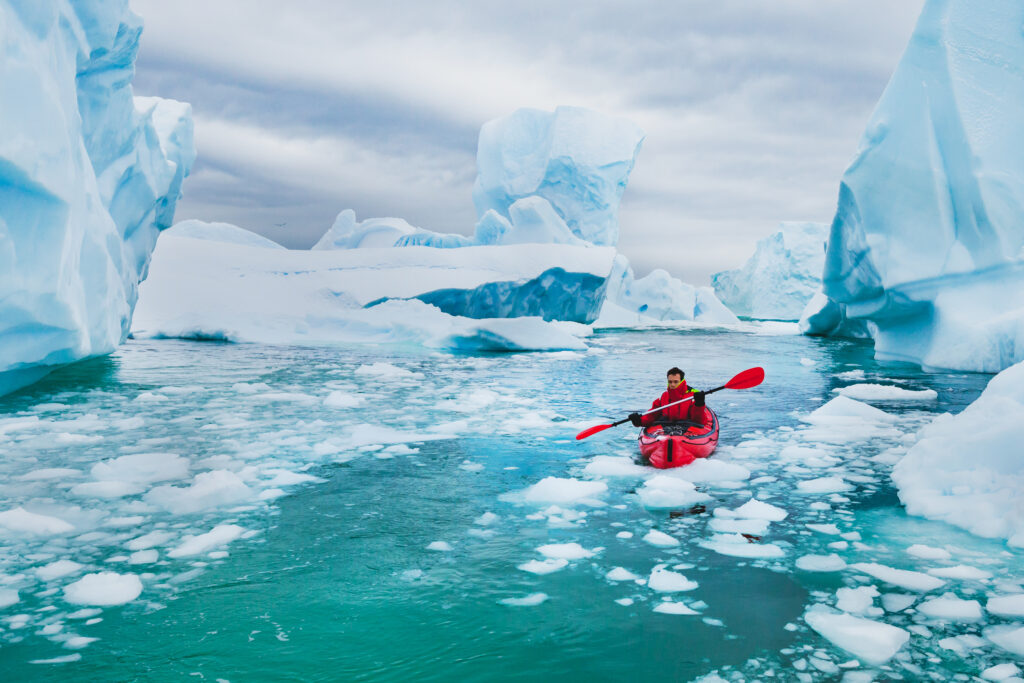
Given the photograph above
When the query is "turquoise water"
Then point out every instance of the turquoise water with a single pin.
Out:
(334, 579)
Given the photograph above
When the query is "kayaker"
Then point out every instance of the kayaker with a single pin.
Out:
(692, 411)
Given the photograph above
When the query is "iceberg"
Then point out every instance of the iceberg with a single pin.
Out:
(925, 250)
(966, 469)
(782, 276)
(575, 159)
(89, 176)
(657, 297)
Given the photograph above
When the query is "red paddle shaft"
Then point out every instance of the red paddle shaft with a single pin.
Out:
(744, 380)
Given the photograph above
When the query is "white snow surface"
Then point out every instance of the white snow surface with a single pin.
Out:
(924, 252)
(89, 177)
(203, 289)
(780, 278)
(966, 470)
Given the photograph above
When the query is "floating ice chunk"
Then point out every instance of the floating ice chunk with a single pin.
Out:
(50, 473)
(561, 491)
(843, 410)
(58, 569)
(1007, 605)
(64, 659)
(613, 466)
(961, 572)
(885, 392)
(565, 551)
(142, 468)
(103, 589)
(823, 485)
(621, 574)
(625, 602)
(78, 642)
(624, 534)
(8, 597)
(808, 363)
(143, 557)
(1009, 638)
(663, 580)
(755, 527)
(758, 509)
(440, 546)
(660, 539)
(736, 545)
(664, 491)
(910, 580)
(86, 613)
(676, 608)
(217, 537)
(340, 399)
(951, 608)
(107, 489)
(1001, 672)
(927, 552)
(528, 601)
(544, 566)
(387, 371)
(821, 563)
(705, 470)
(486, 519)
(830, 529)
(153, 538)
(856, 600)
(21, 520)
(897, 602)
(209, 489)
(870, 641)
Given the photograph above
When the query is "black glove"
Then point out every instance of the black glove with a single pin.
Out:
(698, 399)
(636, 418)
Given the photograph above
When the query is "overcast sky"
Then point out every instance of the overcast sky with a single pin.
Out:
(752, 109)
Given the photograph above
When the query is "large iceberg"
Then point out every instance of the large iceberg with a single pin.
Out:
(89, 175)
(576, 160)
(966, 469)
(780, 278)
(510, 298)
(926, 245)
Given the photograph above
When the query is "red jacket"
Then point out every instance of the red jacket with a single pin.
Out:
(683, 411)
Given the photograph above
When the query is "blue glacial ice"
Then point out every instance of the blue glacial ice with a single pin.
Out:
(781, 277)
(925, 250)
(89, 175)
(579, 161)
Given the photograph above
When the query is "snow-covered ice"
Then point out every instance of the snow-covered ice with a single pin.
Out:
(965, 470)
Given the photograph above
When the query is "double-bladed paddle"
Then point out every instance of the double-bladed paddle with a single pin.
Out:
(744, 380)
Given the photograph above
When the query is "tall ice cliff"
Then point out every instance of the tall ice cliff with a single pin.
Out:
(89, 175)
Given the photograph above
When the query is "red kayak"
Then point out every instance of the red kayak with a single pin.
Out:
(678, 444)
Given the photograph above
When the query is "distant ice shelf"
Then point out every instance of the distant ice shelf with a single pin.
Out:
(515, 297)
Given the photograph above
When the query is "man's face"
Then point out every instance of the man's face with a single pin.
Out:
(674, 381)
